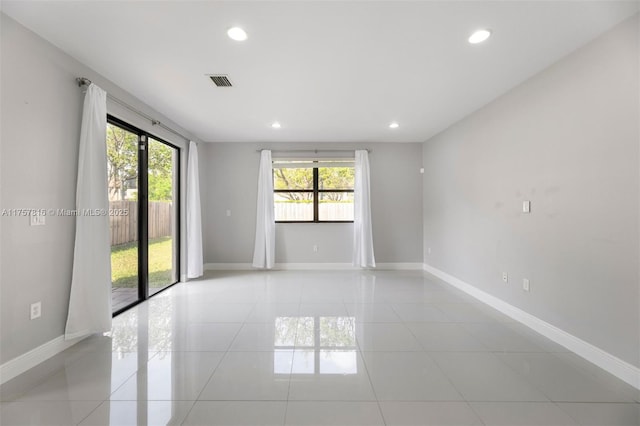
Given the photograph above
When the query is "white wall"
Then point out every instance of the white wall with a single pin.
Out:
(568, 140)
(229, 181)
(41, 108)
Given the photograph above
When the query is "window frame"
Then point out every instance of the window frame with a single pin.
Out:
(316, 191)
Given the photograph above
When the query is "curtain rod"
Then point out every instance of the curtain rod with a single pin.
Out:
(315, 151)
(82, 81)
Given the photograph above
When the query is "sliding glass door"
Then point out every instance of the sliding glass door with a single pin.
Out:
(143, 179)
(162, 212)
(122, 167)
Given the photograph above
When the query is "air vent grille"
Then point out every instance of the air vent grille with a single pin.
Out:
(220, 80)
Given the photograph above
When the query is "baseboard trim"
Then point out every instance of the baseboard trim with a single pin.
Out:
(400, 266)
(608, 362)
(228, 267)
(314, 267)
(24, 362)
(394, 266)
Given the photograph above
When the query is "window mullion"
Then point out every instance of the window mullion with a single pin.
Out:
(316, 216)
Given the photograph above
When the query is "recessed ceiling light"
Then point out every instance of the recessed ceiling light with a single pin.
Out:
(394, 125)
(237, 34)
(276, 125)
(479, 36)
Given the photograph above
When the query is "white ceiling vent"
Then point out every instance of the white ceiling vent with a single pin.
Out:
(220, 80)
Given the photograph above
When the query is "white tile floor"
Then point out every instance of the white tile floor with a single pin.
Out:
(317, 348)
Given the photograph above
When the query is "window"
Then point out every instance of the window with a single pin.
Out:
(313, 190)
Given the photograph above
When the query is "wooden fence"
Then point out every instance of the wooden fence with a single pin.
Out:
(124, 227)
(304, 211)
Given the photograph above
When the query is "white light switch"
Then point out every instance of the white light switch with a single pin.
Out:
(228, 212)
(526, 207)
(526, 284)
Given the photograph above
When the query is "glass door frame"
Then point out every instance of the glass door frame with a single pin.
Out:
(143, 210)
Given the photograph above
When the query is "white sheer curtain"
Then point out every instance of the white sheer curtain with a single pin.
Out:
(90, 299)
(362, 234)
(194, 218)
(265, 246)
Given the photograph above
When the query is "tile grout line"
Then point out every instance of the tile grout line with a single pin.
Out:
(373, 389)
(215, 369)
(473, 410)
(91, 412)
(440, 368)
(286, 406)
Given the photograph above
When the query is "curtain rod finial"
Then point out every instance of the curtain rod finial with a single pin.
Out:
(82, 81)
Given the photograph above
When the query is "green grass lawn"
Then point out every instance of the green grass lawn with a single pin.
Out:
(124, 263)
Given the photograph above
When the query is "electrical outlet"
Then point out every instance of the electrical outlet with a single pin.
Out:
(526, 284)
(35, 310)
(315, 248)
(505, 277)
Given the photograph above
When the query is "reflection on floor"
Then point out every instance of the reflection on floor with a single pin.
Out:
(123, 297)
(323, 347)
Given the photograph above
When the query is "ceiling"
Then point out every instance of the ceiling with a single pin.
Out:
(328, 71)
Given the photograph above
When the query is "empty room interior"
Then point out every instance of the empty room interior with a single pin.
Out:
(320, 213)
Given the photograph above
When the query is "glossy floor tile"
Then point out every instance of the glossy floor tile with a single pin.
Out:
(419, 312)
(429, 413)
(334, 413)
(236, 413)
(93, 377)
(481, 376)
(500, 337)
(564, 379)
(170, 376)
(203, 310)
(472, 313)
(373, 312)
(317, 348)
(61, 413)
(446, 337)
(386, 337)
(252, 376)
(204, 336)
(596, 414)
(408, 376)
(135, 413)
(268, 312)
(329, 375)
(522, 414)
(265, 337)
